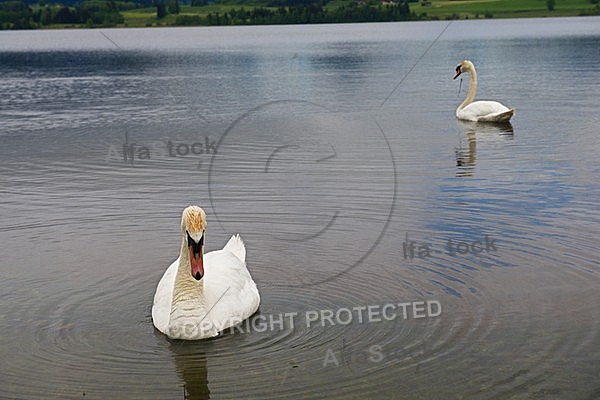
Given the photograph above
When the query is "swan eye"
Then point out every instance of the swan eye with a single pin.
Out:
(458, 69)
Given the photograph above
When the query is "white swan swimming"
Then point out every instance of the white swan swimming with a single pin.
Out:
(201, 294)
(479, 111)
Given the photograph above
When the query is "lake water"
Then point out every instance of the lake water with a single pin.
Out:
(330, 148)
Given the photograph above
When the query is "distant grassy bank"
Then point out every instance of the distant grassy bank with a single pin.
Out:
(505, 8)
(422, 10)
(111, 13)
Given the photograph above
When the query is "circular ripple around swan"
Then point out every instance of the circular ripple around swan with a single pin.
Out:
(504, 328)
(298, 358)
(85, 339)
(512, 317)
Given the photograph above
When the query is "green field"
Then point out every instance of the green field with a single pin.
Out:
(444, 9)
(147, 16)
(503, 8)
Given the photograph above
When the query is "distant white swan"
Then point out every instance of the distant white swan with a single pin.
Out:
(201, 294)
(479, 111)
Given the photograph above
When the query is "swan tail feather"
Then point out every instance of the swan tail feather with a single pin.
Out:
(501, 117)
(237, 247)
(506, 116)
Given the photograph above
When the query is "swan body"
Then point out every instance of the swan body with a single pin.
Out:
(201, 294)
(479, 111)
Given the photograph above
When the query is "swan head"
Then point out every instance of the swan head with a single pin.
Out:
(464, 66)
(193, 228)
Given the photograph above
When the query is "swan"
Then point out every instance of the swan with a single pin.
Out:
(200, 294)
(479, 111)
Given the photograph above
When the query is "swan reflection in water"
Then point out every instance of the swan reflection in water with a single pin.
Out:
(466, 156)
(190, 364)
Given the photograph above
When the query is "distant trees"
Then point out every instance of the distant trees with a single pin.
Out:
(19, 15)
(302, 13)
(15, 15)
(66, 16)
(170, 7)
(161, 10)
(173, 6)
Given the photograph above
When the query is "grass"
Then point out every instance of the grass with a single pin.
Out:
(147, 16)
(502, 8)
(438, 9)
(443, 9)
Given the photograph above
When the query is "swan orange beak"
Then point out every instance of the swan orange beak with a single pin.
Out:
(197, 263)
(458, 72)
(196, 249)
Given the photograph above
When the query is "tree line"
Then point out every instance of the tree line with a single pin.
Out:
(302, 14)
(17, 14)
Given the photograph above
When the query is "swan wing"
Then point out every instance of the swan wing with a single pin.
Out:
(161, 307)
(236, 246)
(498, 117)
(231, 293)
(485, 111)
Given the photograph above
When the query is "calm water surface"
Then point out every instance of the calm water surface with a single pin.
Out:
(328, 148)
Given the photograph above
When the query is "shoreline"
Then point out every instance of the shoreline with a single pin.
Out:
(243, 15)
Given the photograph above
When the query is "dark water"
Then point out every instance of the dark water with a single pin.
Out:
(328, 148)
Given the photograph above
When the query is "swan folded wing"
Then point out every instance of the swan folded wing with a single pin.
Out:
(161, 307)
(236, 246)
(498, 117)
(232, 310)
(482, 111)
(231, 293)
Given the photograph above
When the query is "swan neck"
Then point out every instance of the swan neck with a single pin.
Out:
(472, 89)
(188, 304)
(186, 286)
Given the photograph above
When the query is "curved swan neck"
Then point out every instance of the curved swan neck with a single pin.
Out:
(472, 88)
